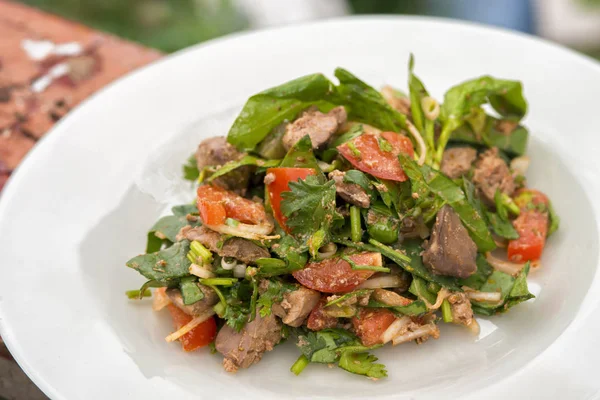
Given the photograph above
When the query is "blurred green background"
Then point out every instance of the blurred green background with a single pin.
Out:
(170, 25)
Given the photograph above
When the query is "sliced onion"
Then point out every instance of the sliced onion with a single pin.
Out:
(383, 281)
(247, 231)
(441, 295)
(228, 265)
(327, 251)
(425, 330)
(486, 297)
(417, 136)
(239, 271)
(201, 272)
(394, 329)
(520, 164)
(507, 267)
(160, 300)
(190, 325)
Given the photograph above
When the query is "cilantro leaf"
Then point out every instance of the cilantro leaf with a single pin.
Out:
(340, 346)
(310, 209)
(273, 295)
(358, 361)
(190, 169)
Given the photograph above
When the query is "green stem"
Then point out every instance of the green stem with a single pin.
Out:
(136, 294)
(300, 364)
(510, 204)
(355, 228)
(200, 251)
(390, 253)
(446, 311)
(442, 142)
(357, 267)
(218, 281)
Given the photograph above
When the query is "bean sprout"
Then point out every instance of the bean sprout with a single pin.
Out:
(420, 142)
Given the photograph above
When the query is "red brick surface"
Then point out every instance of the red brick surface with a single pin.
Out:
(26, 116)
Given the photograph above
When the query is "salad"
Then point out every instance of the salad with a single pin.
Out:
(344, 219)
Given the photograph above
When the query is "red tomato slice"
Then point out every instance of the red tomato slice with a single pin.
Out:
(366, 154)
(531, 225)
(371, 323)
(198, 337)
(335, 275)
(318, 320)
(278, 181)
(217, 204)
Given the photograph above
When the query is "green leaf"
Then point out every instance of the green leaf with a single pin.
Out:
(462, 100)
(417, 307)
(291, 251)
(359, 178)
(476, 281)
(169, 226)
(353, 133)
(417, 92)
(190, 169)
(519, 292)
(418, 287)
(329, 340)
(513, 143)
(310, 210)
(301, 155)
(358, 361)
(165, 265)
(190, 292)
(502, 227)
(505, 96)
(413, 249)
(266, 110)
(365, 104)
(246, 160)
(276, 289)
(497, 282)
(554, 219)
(452, 194)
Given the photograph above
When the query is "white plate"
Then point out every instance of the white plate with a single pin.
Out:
(80, 205)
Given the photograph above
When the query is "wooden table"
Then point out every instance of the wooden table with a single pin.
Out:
(47, 66)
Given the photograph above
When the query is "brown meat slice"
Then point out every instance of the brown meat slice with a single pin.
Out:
(320, 127)
(216, 151)
(457, 161)
(462, 313)
(199, 307)
(296, 306)
(238, 248)
(491, 174)
(450, 250)
(244, 348)
(351, 192)
(318, 319)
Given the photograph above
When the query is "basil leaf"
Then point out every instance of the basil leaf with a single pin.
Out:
(365, 104)
(266, 110)
(190, 292)
(164, 266)
(246, 160)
